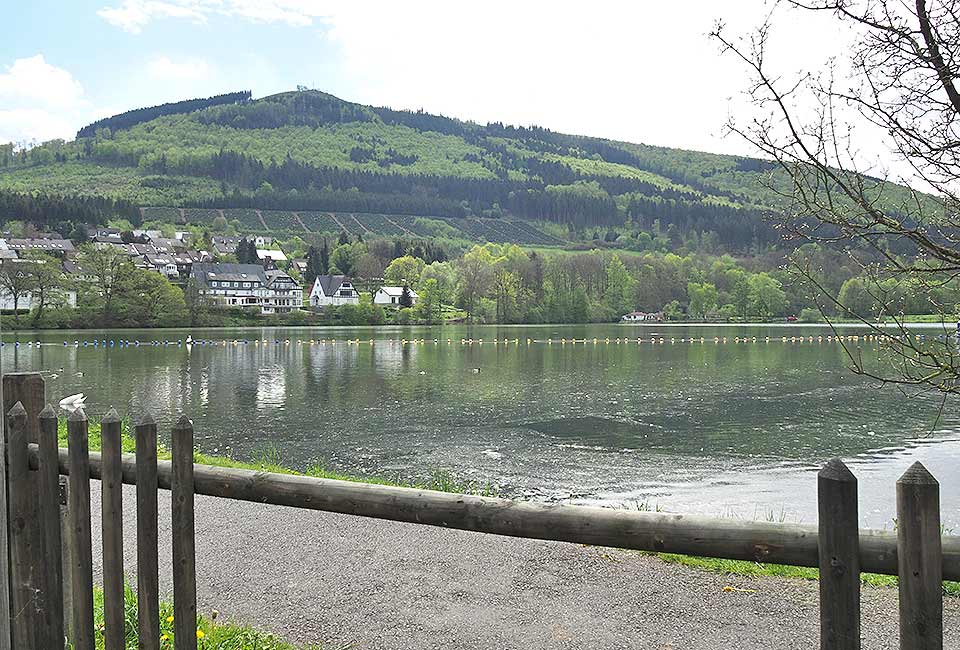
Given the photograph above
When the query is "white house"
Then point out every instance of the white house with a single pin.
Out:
(286, 296)
(163, 264)
(274, 255)
(390, 296)
(248, 285)
(26, 301)
(333, 290)
(641, 316)
(228, 245)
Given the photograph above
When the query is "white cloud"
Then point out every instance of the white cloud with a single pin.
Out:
(34, 81)
(133, 15)
(40, 101)
(188, 70)
(26, 125)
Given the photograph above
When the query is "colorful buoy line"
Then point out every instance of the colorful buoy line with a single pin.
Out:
(516, 341)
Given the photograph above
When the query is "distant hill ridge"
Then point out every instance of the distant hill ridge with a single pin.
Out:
(308, 151)
(130, 119)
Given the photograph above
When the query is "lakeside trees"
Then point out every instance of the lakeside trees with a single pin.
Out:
(899, 90)
(487, 283)
(118, 294)
(504, 283)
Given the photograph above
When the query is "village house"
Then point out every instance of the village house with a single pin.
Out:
(107, 240)
(147, 235)
(77, 272)
(270, 257)
(248, 285)
(333, 290)
(62, 248)
(163, 264)
(228, 245)
(103, 231)
(26, 301)
(641, 316)
(6, 253)
(165, 245)
(174, 264)
(287, 293)
(391, 296)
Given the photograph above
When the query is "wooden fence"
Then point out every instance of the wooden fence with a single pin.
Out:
(43, 599)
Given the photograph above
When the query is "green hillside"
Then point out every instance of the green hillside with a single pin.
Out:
(297, 157)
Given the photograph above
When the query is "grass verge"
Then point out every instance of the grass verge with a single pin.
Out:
(268, 459)
(211, 634)
(757, 569)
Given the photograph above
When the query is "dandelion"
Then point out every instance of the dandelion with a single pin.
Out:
(164, 637)
(200, 634)
(169, 619)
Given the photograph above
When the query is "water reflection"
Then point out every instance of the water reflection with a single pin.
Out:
(717, 428)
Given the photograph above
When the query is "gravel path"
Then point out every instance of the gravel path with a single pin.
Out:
(350, 582)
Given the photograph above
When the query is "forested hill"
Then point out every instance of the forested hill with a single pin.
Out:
(310, 151)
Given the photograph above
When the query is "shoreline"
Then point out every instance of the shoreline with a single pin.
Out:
(949, 325)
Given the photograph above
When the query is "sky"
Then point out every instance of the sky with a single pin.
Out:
(635, 70)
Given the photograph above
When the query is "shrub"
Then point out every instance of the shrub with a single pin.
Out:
(810, 315)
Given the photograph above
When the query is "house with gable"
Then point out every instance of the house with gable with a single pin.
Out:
(333, 290)
(392, 296)
(248, 285)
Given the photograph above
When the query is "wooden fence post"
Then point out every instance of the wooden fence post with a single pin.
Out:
(81, 545)
(66, 555)
(26, 557)
(920, 560)
(184, 543)
(49, 470)
(148, 586)
(5, 631)
(28, 389)
(839, 551)
(111, 485)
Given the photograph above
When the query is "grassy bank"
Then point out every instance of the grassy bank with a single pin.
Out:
(211, 633)
(757, 569)
(268, 459)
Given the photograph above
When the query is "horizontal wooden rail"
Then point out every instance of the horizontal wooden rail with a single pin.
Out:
(644, 531)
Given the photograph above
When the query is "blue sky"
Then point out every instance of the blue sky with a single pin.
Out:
(641, 71)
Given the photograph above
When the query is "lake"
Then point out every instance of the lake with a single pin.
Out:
(721, 428)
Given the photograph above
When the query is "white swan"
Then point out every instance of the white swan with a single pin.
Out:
(72, 403)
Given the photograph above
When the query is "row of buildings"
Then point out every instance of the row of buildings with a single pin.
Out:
(263, 286)
(336, 290)
(275, 292)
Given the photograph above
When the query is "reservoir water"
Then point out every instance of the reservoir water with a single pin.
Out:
(729, 428)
